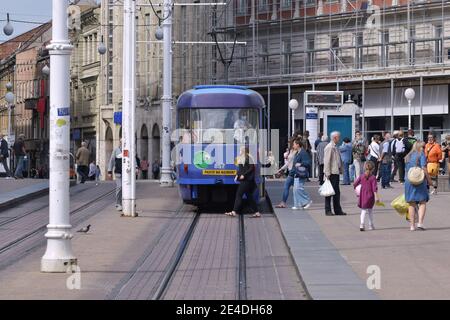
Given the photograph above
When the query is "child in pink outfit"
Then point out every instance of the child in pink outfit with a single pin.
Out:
(368, 194)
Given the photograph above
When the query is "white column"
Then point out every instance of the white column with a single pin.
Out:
(166, 170)
(128, 110)
(297, 9)
(59, 257)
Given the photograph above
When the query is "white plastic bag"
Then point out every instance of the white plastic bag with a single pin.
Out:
(358, 190)
(326, 190)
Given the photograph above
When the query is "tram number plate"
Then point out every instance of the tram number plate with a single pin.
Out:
(220, 172)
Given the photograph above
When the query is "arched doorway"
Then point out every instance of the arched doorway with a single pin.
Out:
(156, 138)
(144, 142)
(109, 145)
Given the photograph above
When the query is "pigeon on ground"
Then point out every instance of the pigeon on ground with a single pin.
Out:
(85, 229)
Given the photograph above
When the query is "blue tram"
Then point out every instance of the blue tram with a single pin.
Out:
(213, 125)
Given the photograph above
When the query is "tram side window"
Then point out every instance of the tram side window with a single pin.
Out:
(184, 124)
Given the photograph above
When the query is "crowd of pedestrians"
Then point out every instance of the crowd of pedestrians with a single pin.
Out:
(397, 157)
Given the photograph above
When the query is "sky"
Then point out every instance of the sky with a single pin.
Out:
(27, 10)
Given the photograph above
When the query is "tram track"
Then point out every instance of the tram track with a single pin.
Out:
(4, 248)
(205, 255)
(34, 210)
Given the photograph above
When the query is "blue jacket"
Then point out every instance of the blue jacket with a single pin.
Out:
(346, 152)
(302, 157)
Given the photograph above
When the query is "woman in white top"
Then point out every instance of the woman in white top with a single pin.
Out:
(374, 152)
(289, 180)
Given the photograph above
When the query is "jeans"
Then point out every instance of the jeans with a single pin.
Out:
(248, 188)
(334, 179)
(401, 168)
(19, 167)
(118, 189)
(359, 165)
(346, 179)
(4, 162)
(287, 185)
(394, 169)
(301, 197)
(321, 174)
(386, 174)
(352, 172)
(83, 171)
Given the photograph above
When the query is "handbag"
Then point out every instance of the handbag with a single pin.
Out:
(301, 172)
(400, 205)
(326, 190)
(433, 168)
(416, 174)
(358, 190)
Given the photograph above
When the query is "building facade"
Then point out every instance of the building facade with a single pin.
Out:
(85, 88)
(22, 61)
(188, 63)
(371, 50)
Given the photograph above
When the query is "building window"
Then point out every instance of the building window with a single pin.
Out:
(359, 40)
(286, 3)
(243, 61)
(242, 6)
(385, 48)
(286, 48)
(310, 55)
(438, 44)
(263, 5)
(264, 54)
(412, 45)
(334, 53)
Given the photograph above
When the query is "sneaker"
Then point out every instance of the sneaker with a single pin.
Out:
(307, 205)
(412, 228)
(340, 214)
(361, 227)
(371, 227)
(329, 213)
(420, 227)
(295, 208)
(118, 207)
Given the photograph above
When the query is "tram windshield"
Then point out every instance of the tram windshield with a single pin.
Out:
(218, 125)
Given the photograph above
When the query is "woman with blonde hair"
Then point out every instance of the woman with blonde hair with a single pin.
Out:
(416, 194)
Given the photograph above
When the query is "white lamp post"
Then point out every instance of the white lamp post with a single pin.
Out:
(59, 256)
(293, 105)
(129, 109)
(409, 95)
(166, 170)
(8, 29)
(9, 97)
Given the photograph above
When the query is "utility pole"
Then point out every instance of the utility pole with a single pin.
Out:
(128, 110)
(166, 170)
(59, 256)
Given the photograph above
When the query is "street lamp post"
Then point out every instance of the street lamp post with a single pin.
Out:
(166, 170)
(58, 256)
(293, 105)
(129, 109)
(409, 95)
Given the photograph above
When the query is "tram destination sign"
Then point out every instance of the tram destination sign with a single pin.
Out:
(324, 98)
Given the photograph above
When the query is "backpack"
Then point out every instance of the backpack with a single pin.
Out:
(409, 142)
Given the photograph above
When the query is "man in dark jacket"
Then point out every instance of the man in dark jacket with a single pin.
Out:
(19, 153)
(4, 155)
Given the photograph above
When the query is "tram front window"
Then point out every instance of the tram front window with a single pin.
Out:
(222, 126)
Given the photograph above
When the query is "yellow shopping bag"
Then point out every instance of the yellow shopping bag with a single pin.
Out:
(400, 205)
